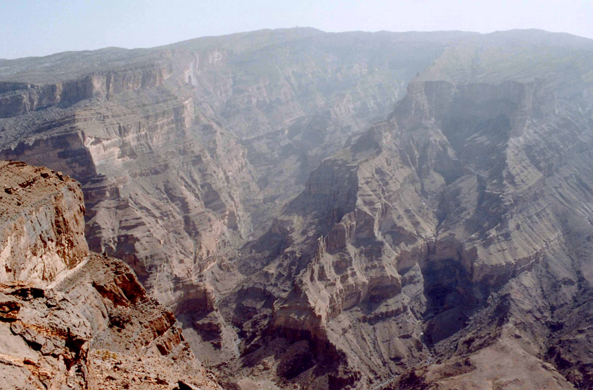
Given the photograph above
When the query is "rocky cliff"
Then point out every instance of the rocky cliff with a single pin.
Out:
(186, 152)
(70, 318)
(338, 210)
(438, 242)
(42, 224)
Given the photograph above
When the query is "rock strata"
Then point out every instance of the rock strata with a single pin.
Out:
(322, 210)
(436, 243)
(42, 231)
(70, 318)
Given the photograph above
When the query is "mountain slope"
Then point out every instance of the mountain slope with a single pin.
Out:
(176, 146)
(346, 210)
(443, 238)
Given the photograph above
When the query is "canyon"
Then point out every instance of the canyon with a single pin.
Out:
(307, 209)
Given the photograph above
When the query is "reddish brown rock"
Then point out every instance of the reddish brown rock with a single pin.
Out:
(90, 323)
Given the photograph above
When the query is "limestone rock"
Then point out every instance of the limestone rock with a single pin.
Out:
(332, 210)
(87, 324)
(42, 224)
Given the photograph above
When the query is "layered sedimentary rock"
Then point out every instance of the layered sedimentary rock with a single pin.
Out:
(43, 224)
(187, 151)
(70, 318)
(441, 240)
(301, 245)
(156, 191)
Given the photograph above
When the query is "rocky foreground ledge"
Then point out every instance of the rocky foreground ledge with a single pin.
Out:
(70, 318)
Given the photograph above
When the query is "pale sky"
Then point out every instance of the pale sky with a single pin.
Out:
(42, 27)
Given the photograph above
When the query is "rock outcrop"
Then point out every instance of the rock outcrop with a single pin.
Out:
(42, 232)
(441, 240)
(186, 152)
(336, 210)
(70, 318)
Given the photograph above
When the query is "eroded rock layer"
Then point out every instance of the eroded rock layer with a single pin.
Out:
(42, 232)
(338, 210)
(70, 318)
(445, 247)
(178, 147)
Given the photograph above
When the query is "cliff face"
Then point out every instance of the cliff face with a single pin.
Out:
(73, 318)
(436, 243)
(185, 152)
(42, 234)
(336, 210)
(156, 179)
(20, 98)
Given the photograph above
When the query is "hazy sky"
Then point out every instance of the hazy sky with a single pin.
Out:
(41, 27)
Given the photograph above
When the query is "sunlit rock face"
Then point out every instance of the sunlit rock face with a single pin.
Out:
(337, 210)
(69, 316)
(42, 224)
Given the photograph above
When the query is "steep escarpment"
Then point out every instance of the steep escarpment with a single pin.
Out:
(20, 98)
(295, 101)
(185, 152)
(42, 233)
(342, 210)
(73, 318)
(436, 243)
(142, 165)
